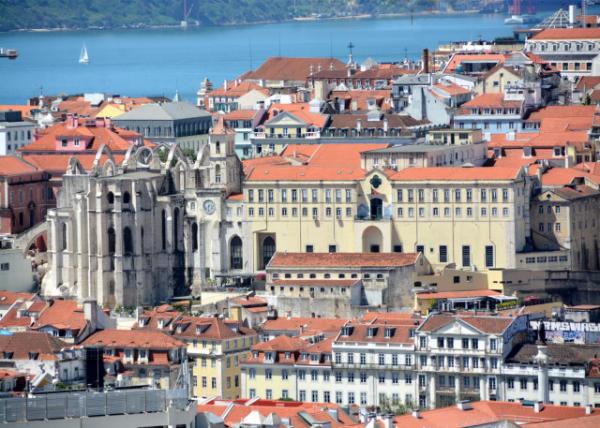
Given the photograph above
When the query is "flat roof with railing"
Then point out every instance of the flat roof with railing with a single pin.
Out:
(89, 404)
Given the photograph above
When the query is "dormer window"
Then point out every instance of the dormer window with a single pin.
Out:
(389, 332)
(128, 353)
(288, 355)
(76, 142)
(268, 356)
(7, 355)
(64, 142)
(143, 353)
(304, 355)
(314, 357)
(162, 323)
(346, 331)
(527, 152)
(497, 152)
(255, 354)
(33, 355)
(371, 331)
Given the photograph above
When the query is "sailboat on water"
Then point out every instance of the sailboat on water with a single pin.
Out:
(83, 56)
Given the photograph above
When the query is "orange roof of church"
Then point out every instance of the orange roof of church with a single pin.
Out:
(457, 174)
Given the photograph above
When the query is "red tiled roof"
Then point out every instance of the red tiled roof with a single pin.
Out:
(58, 162)
(457, 59)
(24, 342)
(360, 333)
(62, 314)
(300, 111)
(247, 301)
(234, 411)
(13, 166)
(282, 343)
(235, 197)
(286, 68)
(7, 298)
(24, 109)
(486, 412)
(452, 89)
(485, 324)
(112, 137)
(332, 260)
(326, 325)
(587, 82)
(144, 339)
(492, 100)
(562, 112)
(240, 115)
(563, 176)
(567, 34)
(457, 174)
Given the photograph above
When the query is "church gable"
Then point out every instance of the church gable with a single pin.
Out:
(286, 119)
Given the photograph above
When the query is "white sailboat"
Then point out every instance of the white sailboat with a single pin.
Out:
(83, 56)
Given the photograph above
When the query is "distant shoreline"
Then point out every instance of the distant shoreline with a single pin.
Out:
(296, 19)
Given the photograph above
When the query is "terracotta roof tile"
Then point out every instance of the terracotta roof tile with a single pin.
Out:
(7, 298)
(236, 90)
(485, 324)
(22, 343)
(286, 68)
(567, 34)
(306, 260)
(378, 333)
(459, 58)
(457, 174)
(295, 325)
(486, 412)
(64, 314)
(139, 339)
(13, 166)
(492, 100)
(317, 282)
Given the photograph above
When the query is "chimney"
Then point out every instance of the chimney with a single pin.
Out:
(90, 314)
(588, 409)
(416, 414)
(72, 121)
(426, 61)
(538, 406)
(225, 84)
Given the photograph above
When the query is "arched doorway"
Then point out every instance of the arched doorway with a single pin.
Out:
(376, 208)
(268, 249)
(372, 239)
(235, 253)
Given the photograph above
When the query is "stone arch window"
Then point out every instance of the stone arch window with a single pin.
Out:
(64, 236)
(175, 229)
(218, 147)
(217, 173)
(235, 253)
(127, 241)
(126, 198)
(163, 231)
(111, 241)
(194, 236)
(268, 249)
(110, 198)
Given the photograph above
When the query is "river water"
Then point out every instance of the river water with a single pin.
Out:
(159, 61)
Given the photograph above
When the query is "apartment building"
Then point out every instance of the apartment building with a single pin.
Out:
(216, 348)
(137, 357)
(397, 360)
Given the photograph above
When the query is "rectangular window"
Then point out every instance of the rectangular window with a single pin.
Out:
(443, 254)
(315, 195)
(466, 255)
(284, 196)
(400, 195)
(489, 256)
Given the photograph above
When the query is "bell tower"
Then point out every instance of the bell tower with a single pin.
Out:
(225, 167)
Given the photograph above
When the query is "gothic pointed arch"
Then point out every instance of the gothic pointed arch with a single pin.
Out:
(75, 167)
(103, 150)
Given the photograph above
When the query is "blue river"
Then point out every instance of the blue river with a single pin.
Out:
(161, 61)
